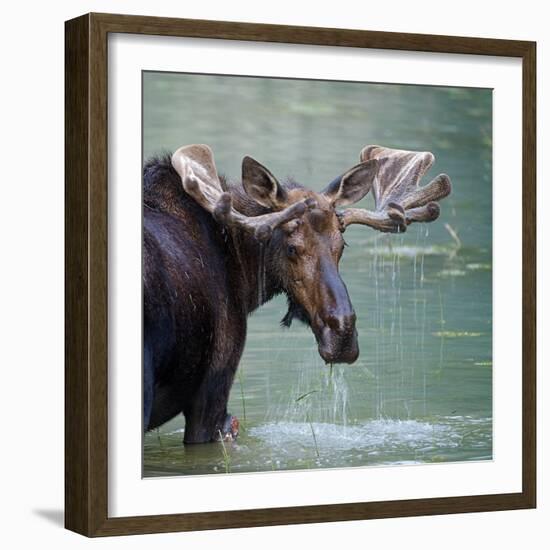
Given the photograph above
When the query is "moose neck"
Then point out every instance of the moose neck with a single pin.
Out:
(252, 261)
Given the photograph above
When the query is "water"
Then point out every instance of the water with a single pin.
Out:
(421, 390)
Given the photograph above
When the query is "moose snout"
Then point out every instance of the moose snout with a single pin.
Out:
(337, 337)
(334, 323)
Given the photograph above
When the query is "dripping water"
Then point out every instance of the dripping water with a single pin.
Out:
(377, 322)
(261, 274)
(423, 326)
(424, 244)
(415, 294)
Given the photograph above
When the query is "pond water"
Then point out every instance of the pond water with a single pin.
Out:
(421, 390)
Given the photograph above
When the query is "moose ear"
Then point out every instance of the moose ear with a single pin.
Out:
(352, 186)
(261, 185)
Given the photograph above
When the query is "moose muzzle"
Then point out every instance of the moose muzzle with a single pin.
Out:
(334, 323)
(337, 338)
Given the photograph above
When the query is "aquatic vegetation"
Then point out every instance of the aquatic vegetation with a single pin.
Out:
(479, 267)
(314, 438)
(457, 334)
(158, 437)
(407, 251)
(240, 376)
(225, 454)
(454, 234)
(483, 363)
(452, 273)
(304, 395)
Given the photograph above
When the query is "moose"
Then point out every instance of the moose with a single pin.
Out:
(214, 251)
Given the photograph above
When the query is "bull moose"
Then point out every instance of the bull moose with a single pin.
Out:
(213, 252)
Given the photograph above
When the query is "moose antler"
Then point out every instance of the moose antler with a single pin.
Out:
(398, 200)
(199, 177)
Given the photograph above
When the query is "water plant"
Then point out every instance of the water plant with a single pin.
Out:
(308, 419)
(313, 436)
(241, 384)
(454, 234)
(304, 395)
(225, 455)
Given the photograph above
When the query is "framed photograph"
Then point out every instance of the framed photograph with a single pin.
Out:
(300, 275)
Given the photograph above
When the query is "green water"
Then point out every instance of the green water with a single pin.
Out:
(421, 390)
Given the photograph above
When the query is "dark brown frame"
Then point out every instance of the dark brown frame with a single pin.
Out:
(86, 274)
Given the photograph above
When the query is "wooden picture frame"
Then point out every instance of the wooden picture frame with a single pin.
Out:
(86, 230)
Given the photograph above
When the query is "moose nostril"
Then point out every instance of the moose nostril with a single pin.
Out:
(340, 323)
(333, 322)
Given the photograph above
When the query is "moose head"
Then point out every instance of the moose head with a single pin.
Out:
(303, 229)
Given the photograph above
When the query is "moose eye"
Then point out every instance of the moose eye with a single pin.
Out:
(291, 250)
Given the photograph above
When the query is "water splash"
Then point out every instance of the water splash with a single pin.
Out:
(380, 437)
